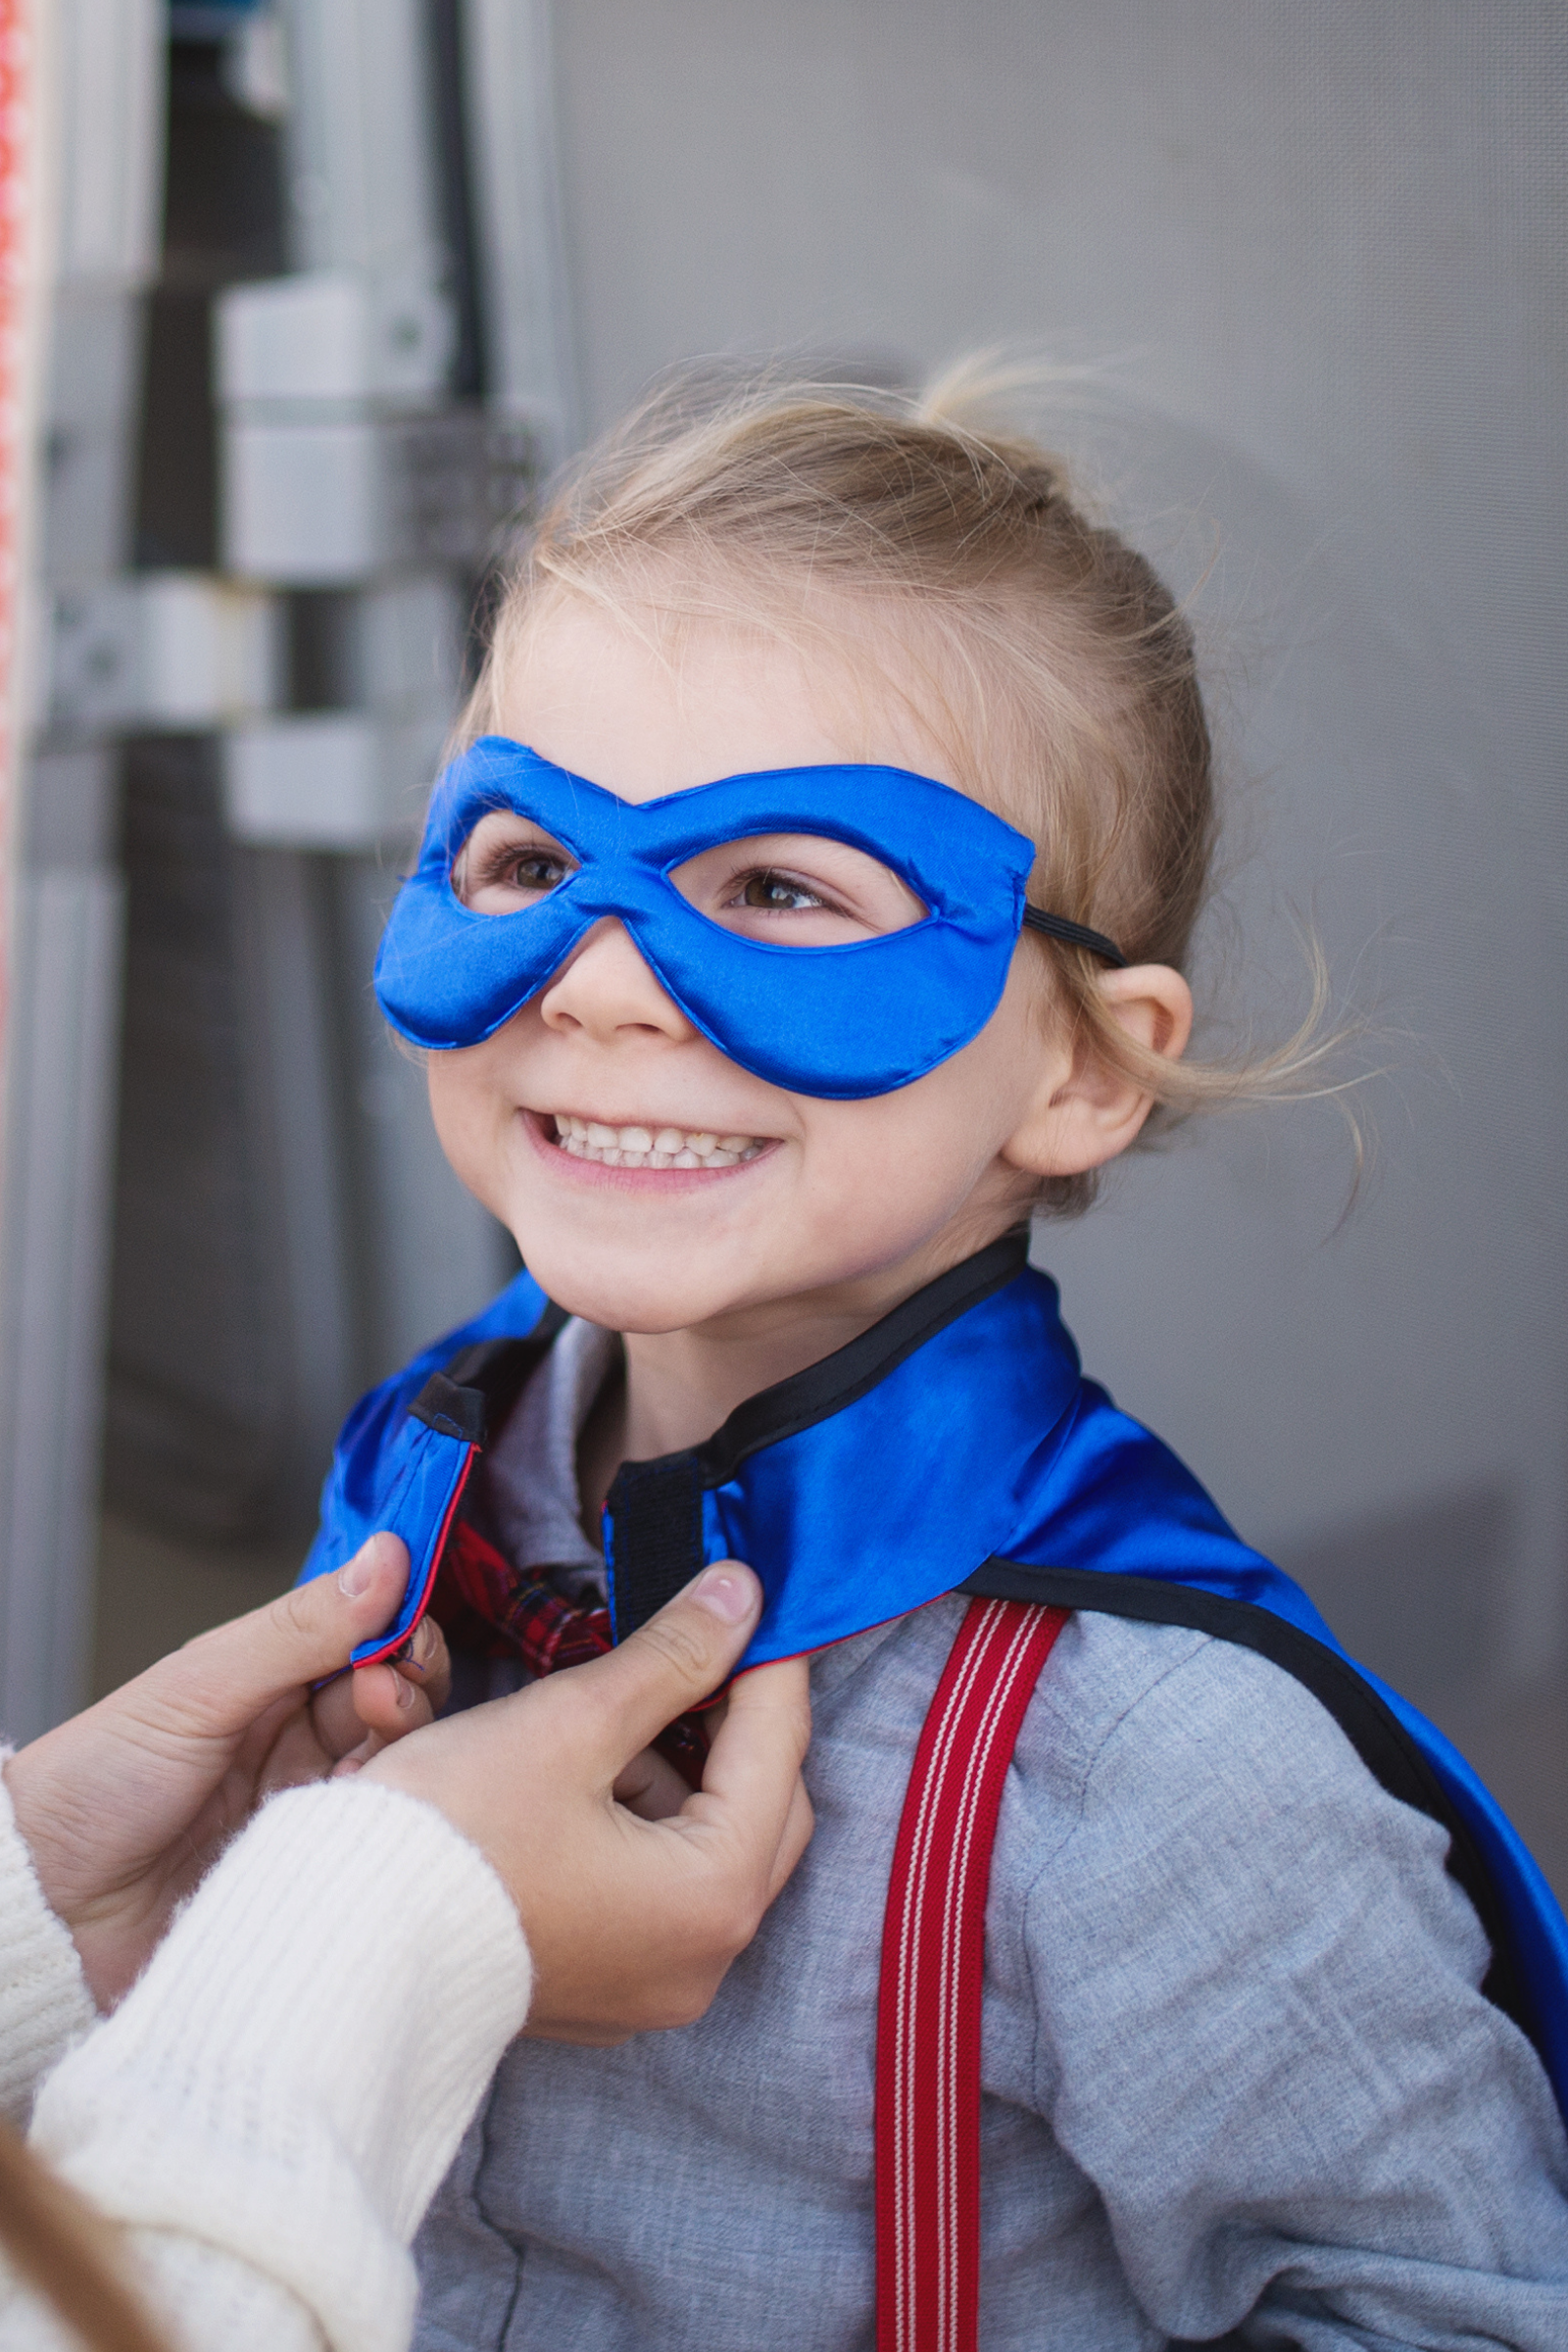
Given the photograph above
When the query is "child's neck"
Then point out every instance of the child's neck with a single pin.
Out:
(680, 1386)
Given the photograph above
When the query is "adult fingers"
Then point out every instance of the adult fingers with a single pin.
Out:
(385, 1702)
(651, 1787)
(375, 1702)
(428, 1663)
(224, 1678)
(753, 1775)
(335, 1715)
(797, 1827)
(401, 1696)
(673, 1662)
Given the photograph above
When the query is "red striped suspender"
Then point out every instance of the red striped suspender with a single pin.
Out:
(933, 1956)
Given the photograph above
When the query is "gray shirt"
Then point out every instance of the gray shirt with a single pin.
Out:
(1236, 2070)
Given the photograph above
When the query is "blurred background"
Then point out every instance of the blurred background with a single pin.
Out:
(314, 294)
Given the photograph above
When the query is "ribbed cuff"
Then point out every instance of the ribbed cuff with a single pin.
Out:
(202, 2301)
(290, 2078)
(44, 2002)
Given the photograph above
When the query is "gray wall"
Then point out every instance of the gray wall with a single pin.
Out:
(1315, 254)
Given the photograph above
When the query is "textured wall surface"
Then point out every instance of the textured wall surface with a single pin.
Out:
(1315, 255)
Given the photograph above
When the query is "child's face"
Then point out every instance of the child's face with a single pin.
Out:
(823, 1195)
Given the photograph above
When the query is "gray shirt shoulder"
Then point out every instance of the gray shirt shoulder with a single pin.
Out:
(1261, 2029)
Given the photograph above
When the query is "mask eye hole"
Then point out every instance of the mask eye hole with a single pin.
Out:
(796, 890)
(509, 863)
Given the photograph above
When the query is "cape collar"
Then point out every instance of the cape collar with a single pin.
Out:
(874, 1481)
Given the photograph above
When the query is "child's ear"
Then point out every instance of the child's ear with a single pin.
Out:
(1083, 1117)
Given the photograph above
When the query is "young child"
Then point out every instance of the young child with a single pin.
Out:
(809, 909)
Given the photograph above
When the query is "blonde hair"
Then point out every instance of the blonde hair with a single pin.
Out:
(1044, 653)
(53, 2239)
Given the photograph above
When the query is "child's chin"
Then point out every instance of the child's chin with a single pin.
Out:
(622, 1291)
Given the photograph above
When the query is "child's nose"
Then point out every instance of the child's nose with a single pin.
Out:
(604, 989)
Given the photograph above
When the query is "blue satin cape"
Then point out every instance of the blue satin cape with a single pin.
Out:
(956, 1445)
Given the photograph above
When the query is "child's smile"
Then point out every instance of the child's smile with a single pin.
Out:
(641, 1150)
(645, 1146)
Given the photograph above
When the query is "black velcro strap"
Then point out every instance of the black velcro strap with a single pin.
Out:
(475, 1389)
(454, 1411)
(656, 1520)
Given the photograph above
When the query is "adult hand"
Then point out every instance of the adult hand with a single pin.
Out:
(631, 1922)
(124, 1807)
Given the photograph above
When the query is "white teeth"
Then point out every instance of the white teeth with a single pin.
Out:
(652, 1148)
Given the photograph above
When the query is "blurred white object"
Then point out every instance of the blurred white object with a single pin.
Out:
(95, 339)
(164, 650)
(313, 500)
(305, 503)
(104, 137)
(337, 335)
(304, 365)
(335, 466)
(255, 64)
(328, 780)
(511, 109)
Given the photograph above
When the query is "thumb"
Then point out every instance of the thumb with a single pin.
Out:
(225, 1678)
(678, 1658)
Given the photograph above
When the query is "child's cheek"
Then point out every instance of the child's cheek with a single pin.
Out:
(474, 1122)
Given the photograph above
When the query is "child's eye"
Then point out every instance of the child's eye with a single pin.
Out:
(507, 862)
(779, 894)
(796, 890)
(534, 869)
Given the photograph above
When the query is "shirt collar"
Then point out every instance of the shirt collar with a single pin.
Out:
(526, 1482)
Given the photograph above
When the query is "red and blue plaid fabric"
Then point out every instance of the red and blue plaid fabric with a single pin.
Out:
(482, 1602)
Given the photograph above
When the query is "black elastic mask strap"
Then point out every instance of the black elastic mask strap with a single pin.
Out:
(1076, 935)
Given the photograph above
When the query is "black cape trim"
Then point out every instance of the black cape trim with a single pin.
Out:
(851, 1372)
(1373, 1730)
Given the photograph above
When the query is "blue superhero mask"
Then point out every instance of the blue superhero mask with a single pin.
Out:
(845, 1021)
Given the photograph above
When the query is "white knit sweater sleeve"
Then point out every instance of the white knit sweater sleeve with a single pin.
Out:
(44, 2002)
(274, 2105)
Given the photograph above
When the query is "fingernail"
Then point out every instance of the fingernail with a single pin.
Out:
(355, 1579)
(726, 1594)
(406, 1695)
